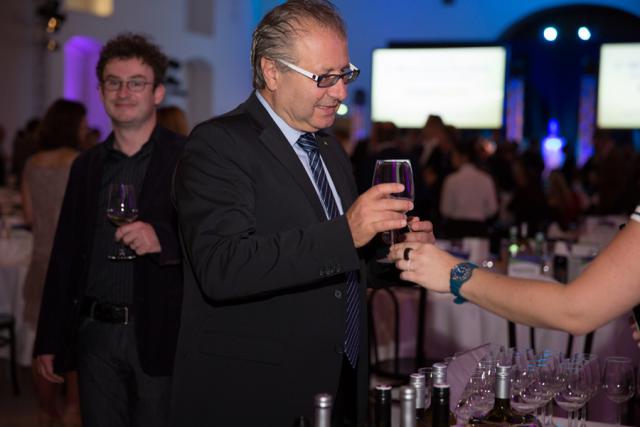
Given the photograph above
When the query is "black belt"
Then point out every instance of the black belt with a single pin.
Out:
(105, 312)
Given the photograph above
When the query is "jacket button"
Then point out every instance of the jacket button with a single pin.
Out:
(339, 349)
(337, 293)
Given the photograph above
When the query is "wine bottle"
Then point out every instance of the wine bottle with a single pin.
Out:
(439, 376)
(440, 405)
(382, 408)
(418, 382)
(407, 407)
(323, 404)
(502, 414)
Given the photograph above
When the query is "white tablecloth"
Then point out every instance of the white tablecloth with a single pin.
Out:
(15, 254)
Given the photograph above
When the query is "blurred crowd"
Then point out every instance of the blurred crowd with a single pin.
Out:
(476, 184)
(28, 140)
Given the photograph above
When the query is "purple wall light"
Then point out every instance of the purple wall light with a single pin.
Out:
(80, 82)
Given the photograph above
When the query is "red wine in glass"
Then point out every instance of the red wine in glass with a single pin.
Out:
(398, 171)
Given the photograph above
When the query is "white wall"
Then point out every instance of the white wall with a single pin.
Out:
(24, 95)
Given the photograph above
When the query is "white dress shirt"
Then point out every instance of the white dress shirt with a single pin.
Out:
(468, 194)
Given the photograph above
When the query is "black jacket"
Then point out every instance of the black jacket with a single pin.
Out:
(157, 277)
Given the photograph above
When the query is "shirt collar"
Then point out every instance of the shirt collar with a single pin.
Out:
(290, 133)
(109, 144)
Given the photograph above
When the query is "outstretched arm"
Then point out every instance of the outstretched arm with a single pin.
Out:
(608, 287)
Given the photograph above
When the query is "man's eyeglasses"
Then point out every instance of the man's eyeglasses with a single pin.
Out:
(326, 80)
(134, 85)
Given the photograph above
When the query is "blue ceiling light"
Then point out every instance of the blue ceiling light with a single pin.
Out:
(584, 33)
(550, 34)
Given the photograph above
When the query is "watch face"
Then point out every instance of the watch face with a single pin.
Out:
(462, 272)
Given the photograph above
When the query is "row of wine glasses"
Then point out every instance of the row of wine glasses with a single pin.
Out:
(540, 379)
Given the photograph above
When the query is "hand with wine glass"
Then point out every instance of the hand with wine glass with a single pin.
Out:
(618, 382)
(135, 238)
(122, 209)
(378, 210)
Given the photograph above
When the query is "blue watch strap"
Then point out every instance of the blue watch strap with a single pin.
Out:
(459, 275)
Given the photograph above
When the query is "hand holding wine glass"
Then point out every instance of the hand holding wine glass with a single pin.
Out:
(374, 211)
(122, 209)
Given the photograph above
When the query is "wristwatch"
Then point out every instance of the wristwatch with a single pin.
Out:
(459, 275)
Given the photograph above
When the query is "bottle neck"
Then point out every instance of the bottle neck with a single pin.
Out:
(503, 390)
(440, 403)
(382, 408)
(439, 374)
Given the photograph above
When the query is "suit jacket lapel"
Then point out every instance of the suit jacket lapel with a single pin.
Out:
(92, 188)
(274, 140)
(155, 169)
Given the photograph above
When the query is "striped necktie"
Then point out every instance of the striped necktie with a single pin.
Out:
(351, 344)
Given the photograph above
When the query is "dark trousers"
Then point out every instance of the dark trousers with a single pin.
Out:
(114, 391)
(345, 406)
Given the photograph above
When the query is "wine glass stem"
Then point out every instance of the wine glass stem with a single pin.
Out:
(619, 415)
(583, 416)
(550, 410)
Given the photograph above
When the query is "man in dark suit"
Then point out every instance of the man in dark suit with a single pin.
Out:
(116, 321)
(274, 235)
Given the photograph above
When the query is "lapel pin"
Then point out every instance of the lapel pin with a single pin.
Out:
(324, 142)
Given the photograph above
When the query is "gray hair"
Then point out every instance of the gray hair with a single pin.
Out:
(276, 33)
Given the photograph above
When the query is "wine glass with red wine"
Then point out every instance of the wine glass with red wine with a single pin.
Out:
(398, 171)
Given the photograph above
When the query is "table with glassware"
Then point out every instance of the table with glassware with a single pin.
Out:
(450, 328)
(15, 255)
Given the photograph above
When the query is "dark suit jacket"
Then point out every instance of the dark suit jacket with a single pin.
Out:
(264, 307)
(157, 277)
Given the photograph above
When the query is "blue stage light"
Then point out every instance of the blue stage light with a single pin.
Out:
(550, 34)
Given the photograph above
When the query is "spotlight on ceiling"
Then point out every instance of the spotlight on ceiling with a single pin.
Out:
(550, 34)
(51, 16)
(584, 33)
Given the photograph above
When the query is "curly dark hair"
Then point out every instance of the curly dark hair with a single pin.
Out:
(60, 125)
(131, 45)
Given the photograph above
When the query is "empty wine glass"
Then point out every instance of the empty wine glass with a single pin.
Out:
(543, 390)
(122, 208)
(555, 383)
(523, 375)
(477, 399)
(592, 367)
(394, 171)
(618, 382)
(574, 392)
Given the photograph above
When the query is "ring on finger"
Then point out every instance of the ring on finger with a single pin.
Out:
(407, 254)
